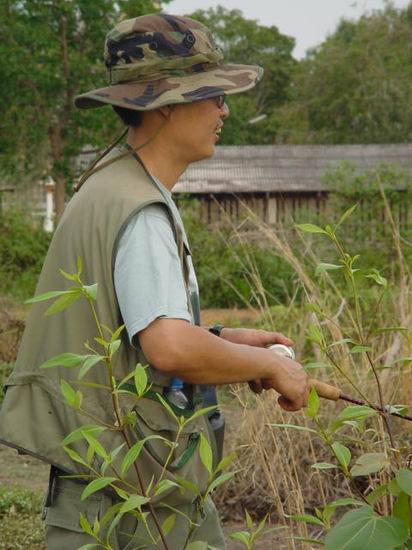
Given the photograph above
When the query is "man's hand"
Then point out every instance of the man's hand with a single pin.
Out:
(258, 338)
(252, 337)
(291, 382)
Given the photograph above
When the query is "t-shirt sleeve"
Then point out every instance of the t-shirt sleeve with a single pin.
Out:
(148, 277)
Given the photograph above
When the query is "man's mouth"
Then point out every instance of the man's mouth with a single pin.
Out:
(218, 130)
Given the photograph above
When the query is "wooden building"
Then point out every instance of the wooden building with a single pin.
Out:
(280, 182)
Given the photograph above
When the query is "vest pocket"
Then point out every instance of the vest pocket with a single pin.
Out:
(153, 419)
(184, 460)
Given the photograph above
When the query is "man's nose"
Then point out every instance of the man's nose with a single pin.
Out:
(225, 110)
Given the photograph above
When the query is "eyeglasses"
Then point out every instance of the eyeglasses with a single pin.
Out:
(220, 100)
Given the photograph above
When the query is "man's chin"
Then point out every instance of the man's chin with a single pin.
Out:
(205, 153)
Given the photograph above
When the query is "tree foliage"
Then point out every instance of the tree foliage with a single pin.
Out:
(245, 41)
(50, 51)
(356, 86)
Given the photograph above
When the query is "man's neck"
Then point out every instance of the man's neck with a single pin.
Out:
(159, 157)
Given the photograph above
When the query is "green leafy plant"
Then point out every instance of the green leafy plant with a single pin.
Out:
(132, 499)
(362, 443)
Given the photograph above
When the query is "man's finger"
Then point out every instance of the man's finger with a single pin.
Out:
(290, 406)
(279, 338)
(256, 386)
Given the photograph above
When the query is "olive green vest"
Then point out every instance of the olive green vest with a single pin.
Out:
(34, 417)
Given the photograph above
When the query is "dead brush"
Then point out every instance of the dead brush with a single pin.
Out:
(276, 463)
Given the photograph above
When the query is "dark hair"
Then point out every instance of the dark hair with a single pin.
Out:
(129, 117)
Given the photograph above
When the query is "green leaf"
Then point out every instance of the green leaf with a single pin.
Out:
(48, 296)
(348, 501)
(226, 460)
(85, 525)
(340, 342)
(200, 412)
(90, 291)
(401, 509)
(313, 403)
(242, 536)
(322, 267)
(369, 463)
(69, 276)
(315, 335)
(69, 394)
(404, 480)
(249, 521)
(377, 277)
(310, 541)
(356, 412)
(113, 346)
(79, 266)
(294, 427)
(167, 407)
(164, 485)
(393, 488)
(306, 518)
(75, 456)
(342, 453)
(168, 523)
(64, 360)
(362, 529)
(324, 466)
(197, 545)
(316, 365)
(96, 445)
(346, 215)
(314, 308)
(361, 349)
(90, 362)
(96, 485)
(310, 228)
(78, 434)
(398, 409)
(134, 452)
(117, 333)
(89, 546)
(140, 380)
(63, 302)
(188, 485)
(206, 455)
(223, 478)
(134, 502)
(377, 493)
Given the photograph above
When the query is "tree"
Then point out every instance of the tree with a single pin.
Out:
(245, 41)
(356, 86)
(51, 50)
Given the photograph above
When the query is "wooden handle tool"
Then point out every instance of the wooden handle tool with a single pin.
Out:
(334, 394)
(325, 390)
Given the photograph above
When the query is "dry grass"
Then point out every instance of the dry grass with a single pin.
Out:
(276, 474)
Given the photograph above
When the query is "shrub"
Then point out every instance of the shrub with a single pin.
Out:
(225, 264)
(23, 248)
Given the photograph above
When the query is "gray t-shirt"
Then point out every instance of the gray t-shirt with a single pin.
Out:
(148, 276)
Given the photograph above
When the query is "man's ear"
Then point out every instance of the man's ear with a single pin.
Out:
(166, 111)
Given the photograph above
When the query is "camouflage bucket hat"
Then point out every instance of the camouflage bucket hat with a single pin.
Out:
(161, 59)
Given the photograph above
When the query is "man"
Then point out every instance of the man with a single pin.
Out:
(167, 83)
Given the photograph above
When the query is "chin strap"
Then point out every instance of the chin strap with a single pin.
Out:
(93, 168)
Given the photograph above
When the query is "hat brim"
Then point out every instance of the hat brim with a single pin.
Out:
(225, 79)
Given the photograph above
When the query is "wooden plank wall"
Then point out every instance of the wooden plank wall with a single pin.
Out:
(287, 209)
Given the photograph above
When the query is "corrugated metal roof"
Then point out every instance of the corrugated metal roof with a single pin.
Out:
(284, 168)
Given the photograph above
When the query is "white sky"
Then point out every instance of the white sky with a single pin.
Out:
(308, 21)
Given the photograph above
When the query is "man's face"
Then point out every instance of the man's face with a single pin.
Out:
(196, 127)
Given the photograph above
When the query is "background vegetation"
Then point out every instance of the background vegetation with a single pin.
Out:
(353, 88)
